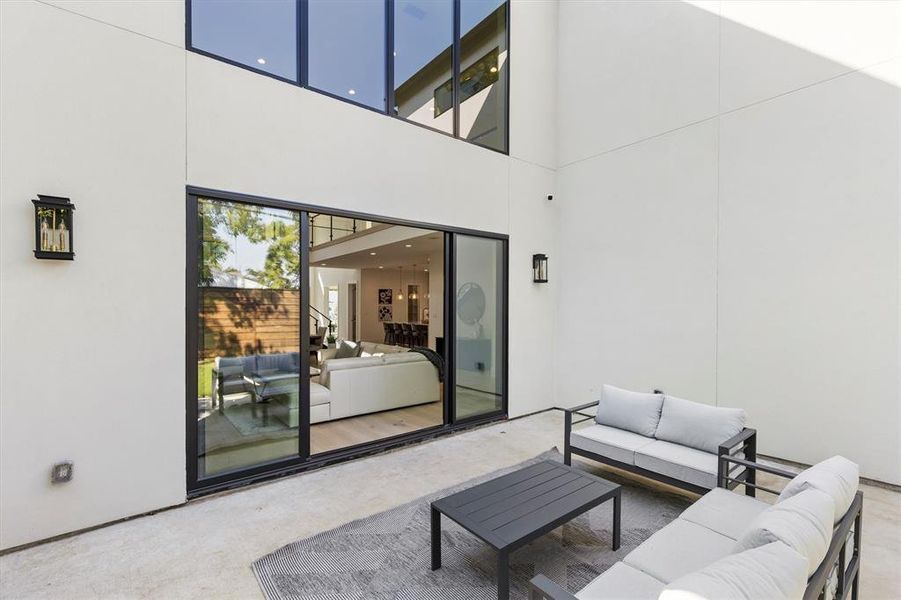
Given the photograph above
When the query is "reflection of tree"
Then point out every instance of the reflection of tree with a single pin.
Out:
(281, 268)
(235, 321)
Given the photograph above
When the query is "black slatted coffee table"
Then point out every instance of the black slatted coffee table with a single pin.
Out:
(514, 509)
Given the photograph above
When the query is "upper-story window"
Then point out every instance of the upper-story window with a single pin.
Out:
(442, 64)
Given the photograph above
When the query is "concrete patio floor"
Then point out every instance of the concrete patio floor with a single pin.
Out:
(205, 548)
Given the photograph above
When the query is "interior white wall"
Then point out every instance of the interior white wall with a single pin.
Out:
(321, 279)
(99, 101)
(729, 221)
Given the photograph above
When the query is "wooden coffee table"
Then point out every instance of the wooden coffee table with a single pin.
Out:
(512, 510)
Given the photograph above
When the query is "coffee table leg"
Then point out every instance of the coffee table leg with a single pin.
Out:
(503, 576)
(617, 513)
(436, 539)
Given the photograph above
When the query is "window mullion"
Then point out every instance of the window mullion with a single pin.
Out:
(303, 45)
(389, 57)
(456, 68)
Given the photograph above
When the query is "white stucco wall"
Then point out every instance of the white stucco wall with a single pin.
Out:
(99, 101)
(729, 214)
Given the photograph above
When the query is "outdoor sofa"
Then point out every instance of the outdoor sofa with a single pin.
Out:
(665, 438)
(727, 545)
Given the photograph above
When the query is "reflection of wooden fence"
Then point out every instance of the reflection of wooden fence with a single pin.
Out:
(235, 322)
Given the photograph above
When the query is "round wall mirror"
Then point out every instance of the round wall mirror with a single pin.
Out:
(470, 303)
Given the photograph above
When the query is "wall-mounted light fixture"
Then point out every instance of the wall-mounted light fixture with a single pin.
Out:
(539, 268)
(53, 228)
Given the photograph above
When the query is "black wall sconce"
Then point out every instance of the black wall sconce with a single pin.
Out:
(53, 228)
(539, 268)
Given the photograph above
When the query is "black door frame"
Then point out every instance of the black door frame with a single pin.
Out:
(304, 461)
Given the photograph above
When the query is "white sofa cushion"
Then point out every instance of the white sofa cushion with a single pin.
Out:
(679, 548)
(621, 582)
(680, 462)
(611, 442)
(633, 411)
(319, 394)
(376, 349)
(698, 425)
(803, 521)
(770, 572)
(724, 512)
(836, 476)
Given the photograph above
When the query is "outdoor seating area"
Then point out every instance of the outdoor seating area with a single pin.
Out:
(450, 299)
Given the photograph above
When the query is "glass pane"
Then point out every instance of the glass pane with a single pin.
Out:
(423, 63)
(248, 338)
(479, 322)
(483, 72)
(347, 49)
(258, 33)
(374, 296)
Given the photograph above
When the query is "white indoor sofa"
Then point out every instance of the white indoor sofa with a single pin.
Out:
(660, 436)
(381, 378)
(804, 546)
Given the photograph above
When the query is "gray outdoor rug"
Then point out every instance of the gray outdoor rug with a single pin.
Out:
(387, 555)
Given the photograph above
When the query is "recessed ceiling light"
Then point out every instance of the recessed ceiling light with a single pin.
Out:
(426, 270)
(261, 60)
(381, 267)
(408, 245)
(372, 254)
(322, 264)
(493, 69)
(352, 92)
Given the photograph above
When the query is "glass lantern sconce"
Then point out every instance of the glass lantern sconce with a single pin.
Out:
(539, 268)
(53, 228)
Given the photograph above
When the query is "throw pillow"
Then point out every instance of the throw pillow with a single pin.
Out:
(836, 476)
(698, 425)
(633, 411)
(346, 350)
(803, 521)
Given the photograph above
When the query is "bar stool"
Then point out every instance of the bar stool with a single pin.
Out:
(397, 334)
(423, 332)
(389, 333)
(407, 330)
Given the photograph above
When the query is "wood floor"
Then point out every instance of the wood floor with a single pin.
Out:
(229, 450)
(332, 435)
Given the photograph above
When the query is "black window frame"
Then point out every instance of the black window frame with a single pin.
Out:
(304, 460)
(303, 71)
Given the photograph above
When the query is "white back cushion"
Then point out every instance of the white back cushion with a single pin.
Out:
(698, 425)
(803, 521)
(770, 572)
(836, 476)
(637, 412)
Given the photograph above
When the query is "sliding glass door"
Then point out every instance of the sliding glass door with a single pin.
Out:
(480, 327)
(321, 335)
(248, 335)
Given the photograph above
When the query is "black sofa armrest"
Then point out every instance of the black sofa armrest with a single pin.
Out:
(568, 426)
(744, 444)
(748, 476)
(542, 588)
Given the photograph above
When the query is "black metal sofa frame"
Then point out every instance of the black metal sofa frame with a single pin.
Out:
(743, 444)
(848, 577)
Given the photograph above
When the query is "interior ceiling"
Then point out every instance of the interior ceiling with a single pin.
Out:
(392, 255)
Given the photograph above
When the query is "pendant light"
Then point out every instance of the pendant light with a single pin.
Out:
(400, 283)
(414, 295)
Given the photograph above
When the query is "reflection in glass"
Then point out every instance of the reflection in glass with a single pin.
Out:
(483, 72)
(347, 50)
(261, 35)
(423, 40)
(479, 339)
(248, 339)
